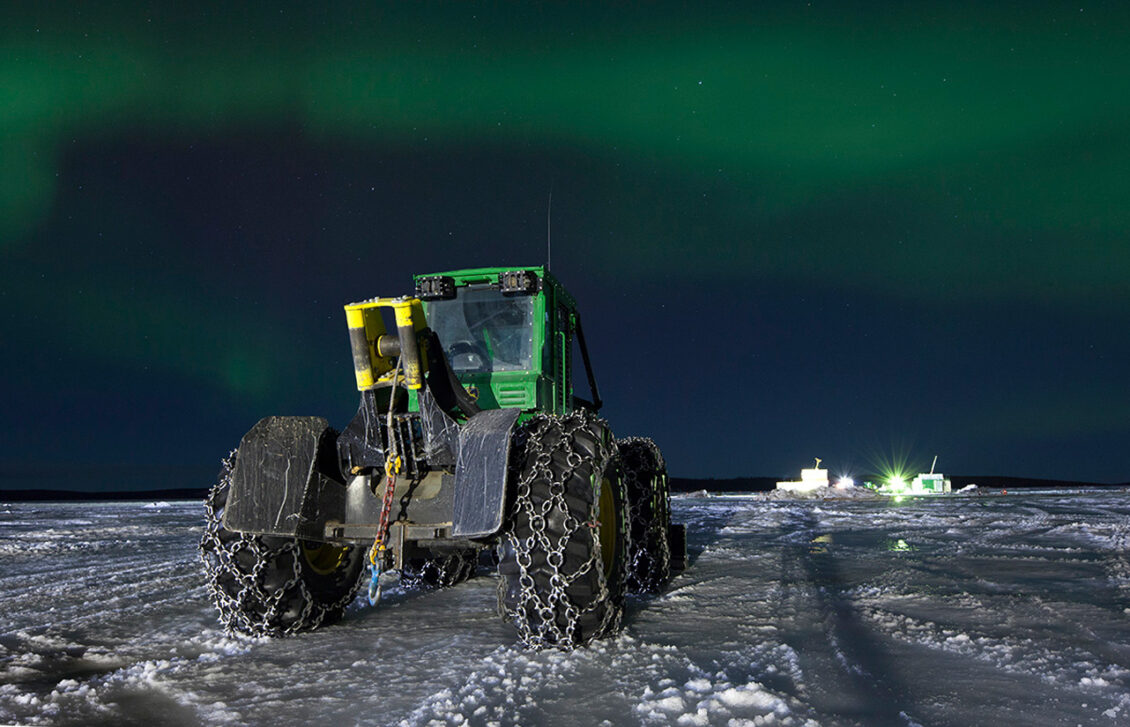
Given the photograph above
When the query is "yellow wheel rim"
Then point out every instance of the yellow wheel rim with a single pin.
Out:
(323, 558)
(609, 525)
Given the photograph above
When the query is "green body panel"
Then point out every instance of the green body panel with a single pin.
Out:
(547, 385)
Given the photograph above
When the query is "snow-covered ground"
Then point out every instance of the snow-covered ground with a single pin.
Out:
(970, 609)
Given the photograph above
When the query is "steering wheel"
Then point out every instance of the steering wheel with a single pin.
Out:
(469, 348)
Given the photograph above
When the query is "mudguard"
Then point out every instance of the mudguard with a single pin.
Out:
(480, 472)
(286, 480)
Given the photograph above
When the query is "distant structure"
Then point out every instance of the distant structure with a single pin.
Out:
(926, 483)
(810, 479)
(930, 482)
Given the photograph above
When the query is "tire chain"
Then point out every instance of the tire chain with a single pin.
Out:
(537, 613)
(257, 609)
(441, 571)
(649, 557)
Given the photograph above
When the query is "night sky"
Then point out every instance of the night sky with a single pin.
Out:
(803, 230)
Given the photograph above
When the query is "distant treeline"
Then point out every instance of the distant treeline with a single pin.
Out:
(105, 478)
(113, 495)
(677, 484)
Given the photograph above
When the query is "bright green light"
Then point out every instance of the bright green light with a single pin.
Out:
(899, 546)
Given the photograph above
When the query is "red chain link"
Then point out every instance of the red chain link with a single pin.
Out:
(386, 506)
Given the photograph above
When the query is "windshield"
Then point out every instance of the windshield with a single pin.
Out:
(483, 330)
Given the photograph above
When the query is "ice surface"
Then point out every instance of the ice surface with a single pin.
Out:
(958, 610)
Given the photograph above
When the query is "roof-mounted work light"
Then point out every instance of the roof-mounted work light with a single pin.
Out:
(518, 282)
(435, 287)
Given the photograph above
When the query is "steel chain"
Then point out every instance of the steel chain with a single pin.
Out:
(646, 569)
(441, 571)
(256, 608)
(549, 617)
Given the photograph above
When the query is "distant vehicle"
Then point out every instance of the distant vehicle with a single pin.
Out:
(469, 437)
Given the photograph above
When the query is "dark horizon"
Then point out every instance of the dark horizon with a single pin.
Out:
(108, 485)
(793, 231)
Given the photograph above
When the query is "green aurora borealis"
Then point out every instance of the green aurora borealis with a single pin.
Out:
(851, 214)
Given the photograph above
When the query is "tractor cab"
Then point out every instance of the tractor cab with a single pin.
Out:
(508, 335)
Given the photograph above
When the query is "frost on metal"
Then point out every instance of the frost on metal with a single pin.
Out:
(484, 451)
(284, 479)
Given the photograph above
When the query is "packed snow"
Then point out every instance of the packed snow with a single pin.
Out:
(971, 608)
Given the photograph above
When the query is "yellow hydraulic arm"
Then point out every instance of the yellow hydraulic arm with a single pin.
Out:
(375, 351)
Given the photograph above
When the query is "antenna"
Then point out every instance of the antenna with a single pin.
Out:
(548, 242)
(934, 463)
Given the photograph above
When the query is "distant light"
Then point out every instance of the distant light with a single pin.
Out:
(846, 482)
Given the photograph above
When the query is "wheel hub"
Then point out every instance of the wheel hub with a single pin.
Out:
(323, 558)
(607, 527)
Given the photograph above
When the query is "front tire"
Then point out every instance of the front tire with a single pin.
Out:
(273, 586)
(562, 562)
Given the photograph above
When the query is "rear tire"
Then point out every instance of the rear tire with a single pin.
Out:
(649, 513)
(273, 586)
(441, 570)
(562, 561)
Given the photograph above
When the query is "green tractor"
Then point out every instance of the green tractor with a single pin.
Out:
(469, 444)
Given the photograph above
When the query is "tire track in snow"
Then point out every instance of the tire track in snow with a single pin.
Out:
(847, 673)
